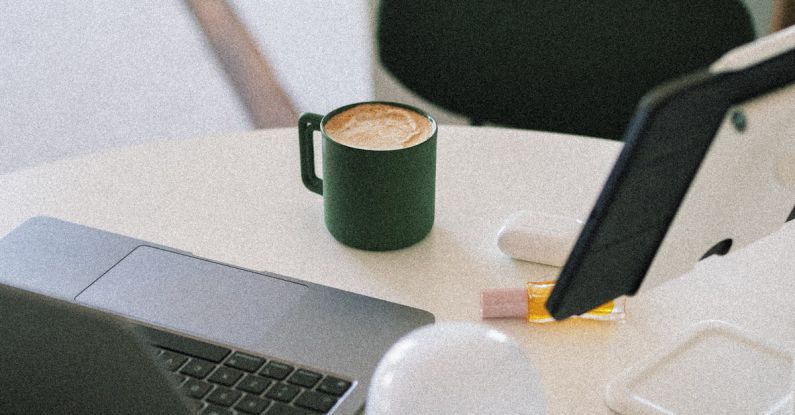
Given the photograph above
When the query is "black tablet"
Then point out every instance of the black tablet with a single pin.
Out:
(640, 218)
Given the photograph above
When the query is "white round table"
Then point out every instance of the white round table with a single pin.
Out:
(239, 199)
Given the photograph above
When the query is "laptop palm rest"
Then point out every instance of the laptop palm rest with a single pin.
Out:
(193, 295)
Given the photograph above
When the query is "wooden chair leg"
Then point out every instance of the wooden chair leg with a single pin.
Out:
(253, 77)
(783, 14)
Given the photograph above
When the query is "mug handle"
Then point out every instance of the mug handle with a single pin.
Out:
(308, 123)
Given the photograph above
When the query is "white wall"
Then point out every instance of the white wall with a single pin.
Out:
(79, 76)
(761, 11)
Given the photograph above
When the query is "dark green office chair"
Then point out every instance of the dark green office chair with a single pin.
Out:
(571, 66)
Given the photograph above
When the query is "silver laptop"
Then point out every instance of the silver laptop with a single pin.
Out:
(234, 340)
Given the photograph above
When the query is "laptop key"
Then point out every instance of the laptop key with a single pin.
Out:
(252, 405)
(196, 388)
(195, 405)
(225, 376)
(178, 379)
(316, 401)
(282, 409)
(183, 344)
(216, 410)
(245, 362)
(276, 370)
(283, 392)
(254, 384)
(171, 361)
(305, 378)
(224, 396)
(334, 386)
(197, 368)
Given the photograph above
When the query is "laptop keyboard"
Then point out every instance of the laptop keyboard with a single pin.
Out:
(222, 381)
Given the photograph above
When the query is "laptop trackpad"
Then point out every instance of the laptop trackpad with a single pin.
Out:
(193, 295)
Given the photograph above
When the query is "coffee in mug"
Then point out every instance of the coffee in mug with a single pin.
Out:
(376, 126)
(379, 173)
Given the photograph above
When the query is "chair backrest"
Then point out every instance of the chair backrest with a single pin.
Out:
(569, 66)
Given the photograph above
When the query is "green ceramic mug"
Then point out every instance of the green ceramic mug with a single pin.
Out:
(373, 199)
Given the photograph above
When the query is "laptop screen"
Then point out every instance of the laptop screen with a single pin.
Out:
(62, 358)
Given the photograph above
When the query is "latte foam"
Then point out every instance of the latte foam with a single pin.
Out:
(379, 127)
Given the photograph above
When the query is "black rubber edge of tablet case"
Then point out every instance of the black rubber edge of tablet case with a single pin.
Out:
(665, 143)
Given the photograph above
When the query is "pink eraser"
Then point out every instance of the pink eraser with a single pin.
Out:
(503, 302)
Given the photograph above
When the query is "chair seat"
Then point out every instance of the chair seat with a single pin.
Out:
(567, 66)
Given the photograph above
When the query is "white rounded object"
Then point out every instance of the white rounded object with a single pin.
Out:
(455, 368)
(539, 237)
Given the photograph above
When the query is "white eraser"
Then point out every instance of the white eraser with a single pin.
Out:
(539, 237)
